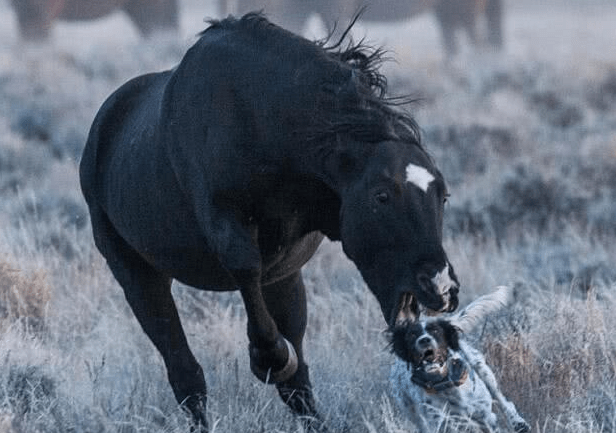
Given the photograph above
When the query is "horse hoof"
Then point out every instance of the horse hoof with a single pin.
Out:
(277, 376)
(194, 406)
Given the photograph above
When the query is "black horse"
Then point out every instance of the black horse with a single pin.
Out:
(226, 172)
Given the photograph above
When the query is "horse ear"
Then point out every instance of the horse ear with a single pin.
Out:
(348, 92)
(345, 158)
(342, 84)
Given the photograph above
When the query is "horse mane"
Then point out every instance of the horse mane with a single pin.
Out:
(377, 116)
(369, 115)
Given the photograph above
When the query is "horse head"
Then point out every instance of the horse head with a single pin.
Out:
(391, 227)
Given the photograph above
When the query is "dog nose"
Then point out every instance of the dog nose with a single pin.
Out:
(423, 341)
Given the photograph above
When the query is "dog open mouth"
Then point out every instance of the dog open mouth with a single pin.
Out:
(433, 365)
(440, 374)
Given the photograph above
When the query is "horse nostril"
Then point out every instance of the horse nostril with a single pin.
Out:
(454, 290)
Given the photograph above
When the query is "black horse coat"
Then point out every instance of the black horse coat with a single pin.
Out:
(226, 172)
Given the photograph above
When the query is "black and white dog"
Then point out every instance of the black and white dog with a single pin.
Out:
(437, 373)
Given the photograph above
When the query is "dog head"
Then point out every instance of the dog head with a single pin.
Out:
(431, 346)
(425, 346)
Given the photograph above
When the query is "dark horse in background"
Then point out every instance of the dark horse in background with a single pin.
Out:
(35, 17)
(469, 16)
(225, 173)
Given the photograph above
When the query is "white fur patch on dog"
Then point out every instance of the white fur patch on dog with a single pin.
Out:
(419, 176)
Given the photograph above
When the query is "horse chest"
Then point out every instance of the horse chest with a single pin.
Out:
(286, 210)
(280, 227)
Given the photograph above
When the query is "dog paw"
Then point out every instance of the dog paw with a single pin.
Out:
(521, 427)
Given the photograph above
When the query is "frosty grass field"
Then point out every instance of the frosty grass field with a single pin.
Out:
(526, 140)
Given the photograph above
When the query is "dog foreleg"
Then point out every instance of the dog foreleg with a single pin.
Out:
(408, 398)
(515, 421)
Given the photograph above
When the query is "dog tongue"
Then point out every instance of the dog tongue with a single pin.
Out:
(429, 377)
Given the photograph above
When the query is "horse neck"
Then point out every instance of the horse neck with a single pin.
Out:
(336, 166)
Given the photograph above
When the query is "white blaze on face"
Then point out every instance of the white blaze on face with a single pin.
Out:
(419, 176)
(442, 281)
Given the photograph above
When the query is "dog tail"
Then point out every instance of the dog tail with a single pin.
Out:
(477, 311)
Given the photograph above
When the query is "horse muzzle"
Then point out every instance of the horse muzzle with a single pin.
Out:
(436, 293)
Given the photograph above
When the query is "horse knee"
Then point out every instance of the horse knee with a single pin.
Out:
(276, 364)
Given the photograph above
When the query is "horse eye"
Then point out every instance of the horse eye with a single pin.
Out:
(382, 197)
(446, 198)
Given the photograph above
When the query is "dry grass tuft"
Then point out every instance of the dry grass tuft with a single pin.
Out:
(23, 297)
(524, 377)
(561, 364)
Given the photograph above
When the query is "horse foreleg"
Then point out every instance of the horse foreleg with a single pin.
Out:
(286, 302)
(236, 244)
(272, 357)
(149, 296)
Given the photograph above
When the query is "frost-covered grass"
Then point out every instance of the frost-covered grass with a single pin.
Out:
(527, 141)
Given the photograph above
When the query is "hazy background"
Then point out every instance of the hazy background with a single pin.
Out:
(526, 139)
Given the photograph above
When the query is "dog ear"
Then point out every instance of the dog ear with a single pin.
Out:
(451, 334)
(398, 342)
(476, 312)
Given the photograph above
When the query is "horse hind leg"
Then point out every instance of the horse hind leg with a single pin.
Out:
(286, 302)
(151, 16)
(448, 21)
(494, 22)
(149, 296)
(34, 20)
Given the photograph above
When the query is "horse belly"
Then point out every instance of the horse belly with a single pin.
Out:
(195, 267)
(291, 259)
